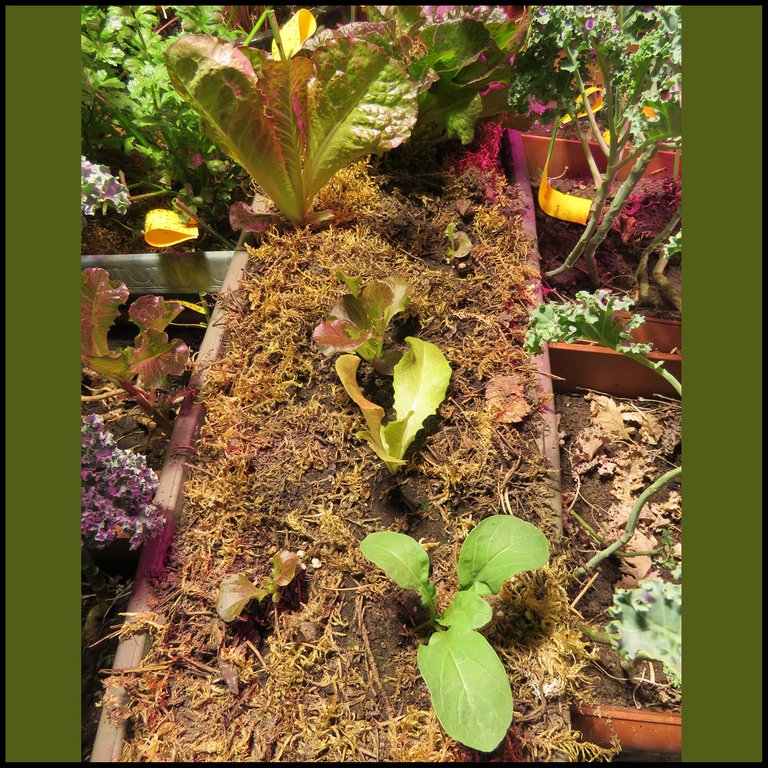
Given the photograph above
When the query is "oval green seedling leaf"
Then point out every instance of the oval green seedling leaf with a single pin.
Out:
(469, 687)
(499, 547)
(402, 558)
(467, 609)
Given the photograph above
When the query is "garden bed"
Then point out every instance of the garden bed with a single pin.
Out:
(277, 468)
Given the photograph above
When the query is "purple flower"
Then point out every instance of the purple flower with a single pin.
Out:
(589, 25)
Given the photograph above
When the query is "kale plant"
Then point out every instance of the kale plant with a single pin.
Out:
(100, 189)
(592, 317)
(634, 53)
(646, 624)
(467, 682)
(117, 490)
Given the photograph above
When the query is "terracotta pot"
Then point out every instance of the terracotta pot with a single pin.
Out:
(569, 154)
(590, 366)
(636, 730)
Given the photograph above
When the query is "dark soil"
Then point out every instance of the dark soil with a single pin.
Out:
(595, 489)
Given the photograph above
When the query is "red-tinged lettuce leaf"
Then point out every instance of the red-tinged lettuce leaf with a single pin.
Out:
(114, 366)
(234, 594)
(358, 322)
(154, 312)
(285, 566)
(361, 102)
(339, 336)
(243, 217)
(155, 358)
(293, 124)
(100, 298)
(239, 97)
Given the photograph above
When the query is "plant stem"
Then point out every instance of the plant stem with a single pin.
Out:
(151, 194)
(585, 100)
(594, 235)
(276, 33)
(633, 518)
(593, 634)
(155, 414)
(228, 244)
(257, 26)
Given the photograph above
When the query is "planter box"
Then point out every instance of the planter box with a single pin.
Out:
(165, 273)
(641, 731)
(169, 497)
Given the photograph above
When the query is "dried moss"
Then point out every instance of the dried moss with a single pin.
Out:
(333, 677)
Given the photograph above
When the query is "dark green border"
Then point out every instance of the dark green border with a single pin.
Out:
(722, 403)
(42, 235)
(722, 370)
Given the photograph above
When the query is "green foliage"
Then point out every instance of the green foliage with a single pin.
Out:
(467, 682)
(635, 54)
(460, 57)
(358, 322)
(293, 124)
(646, 623)
(236, 591)
(420, 383)
(636, 51)
(590, 317)
(129, 105)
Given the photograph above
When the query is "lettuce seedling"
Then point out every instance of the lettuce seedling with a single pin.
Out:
(143, 368)
(237, 591)
(358, 322)
(293, 124)
(467, 682)
(420, 383)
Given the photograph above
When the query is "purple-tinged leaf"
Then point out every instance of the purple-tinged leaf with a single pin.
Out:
(243, 217)
(100, 298)
(339, 336)
(154, 312)
(285, 565)
(115, 366)
(155, 358)
(234, 594)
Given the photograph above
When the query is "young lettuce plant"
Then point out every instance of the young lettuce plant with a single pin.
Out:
(293, 124)
(634, 53)
(592, 317)
(237, 591)
(358, 322)
(143, 368)
(467, 682)
(420, 382)
(460, 57)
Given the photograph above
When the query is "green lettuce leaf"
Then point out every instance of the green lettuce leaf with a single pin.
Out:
(293, 124)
